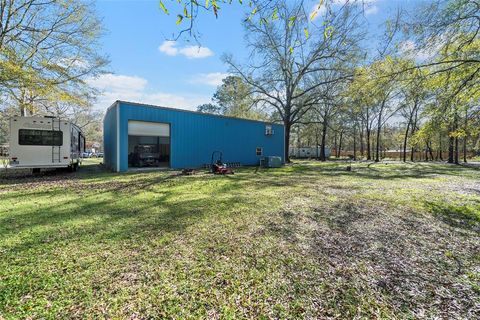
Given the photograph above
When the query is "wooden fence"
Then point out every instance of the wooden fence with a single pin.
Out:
(398, 155)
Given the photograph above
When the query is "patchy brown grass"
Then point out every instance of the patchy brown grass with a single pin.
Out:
(309, 240)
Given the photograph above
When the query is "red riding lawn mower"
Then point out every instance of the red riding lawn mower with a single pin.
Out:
(217, 165)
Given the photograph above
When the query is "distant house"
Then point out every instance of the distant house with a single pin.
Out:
(140, 135)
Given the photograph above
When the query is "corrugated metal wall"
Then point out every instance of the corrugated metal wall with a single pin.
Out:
(110, 138)
(195, 136)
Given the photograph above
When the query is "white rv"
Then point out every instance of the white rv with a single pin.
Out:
(308, 152)
(45, 142)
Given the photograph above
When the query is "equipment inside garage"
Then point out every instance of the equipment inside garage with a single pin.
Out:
(148, 144)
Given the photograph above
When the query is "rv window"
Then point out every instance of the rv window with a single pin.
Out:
(259, 151)
(29, 137)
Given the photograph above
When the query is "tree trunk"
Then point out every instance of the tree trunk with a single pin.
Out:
(405, 139)
(451, 141)
(414, 126)
(299, 141)
(440, 148)
(369, 154)
(362, 146)
(324, 137)
(377, 149)
(340, 144)
(465, 137)
(335, 145)
(288, 126)
(456, 138)
(429, 146)
(354, 142)
(23, 111)
(382, 145)
(413, 113)
(456, 150)
(379, 128)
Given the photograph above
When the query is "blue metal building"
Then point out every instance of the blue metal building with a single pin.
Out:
(138, 135)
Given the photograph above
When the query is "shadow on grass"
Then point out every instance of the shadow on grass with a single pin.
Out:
(111, 213)
(101, 183)
(95, 174)
(368, 249)
(14, 177)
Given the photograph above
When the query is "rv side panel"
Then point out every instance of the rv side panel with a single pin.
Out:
(31, 148)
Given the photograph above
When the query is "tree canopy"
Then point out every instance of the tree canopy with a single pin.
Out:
(418, 93)
(48, 49)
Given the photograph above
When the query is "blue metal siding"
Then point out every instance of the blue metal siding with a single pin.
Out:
(110, 138)
(194, 136)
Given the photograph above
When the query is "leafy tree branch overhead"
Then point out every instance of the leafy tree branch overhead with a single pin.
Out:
(188, 12)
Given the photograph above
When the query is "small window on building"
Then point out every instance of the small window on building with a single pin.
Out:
(29, 137)
(268, 130)
(259, 151)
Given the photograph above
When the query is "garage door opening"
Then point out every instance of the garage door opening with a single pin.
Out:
(148, 144)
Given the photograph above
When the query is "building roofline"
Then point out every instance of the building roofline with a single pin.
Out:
(189, 111)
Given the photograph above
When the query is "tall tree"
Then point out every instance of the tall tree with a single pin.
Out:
(209, 108)
(234, 97)
(414, 95)
(329, 102)
(285, 51)
(47, 51)
(359, 91)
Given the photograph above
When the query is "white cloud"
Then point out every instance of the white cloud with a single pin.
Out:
(195, 52)
(73, 62)
(319, 9)
(191, 52)
(168, 47)
(211, 79)
(115, 82)
(371, 10)
(410, 50)
(132, 88)
(354, 1)
(188, 102)
(407, 46)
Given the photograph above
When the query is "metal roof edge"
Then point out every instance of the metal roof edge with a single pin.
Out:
(191, 111)
(108, 109)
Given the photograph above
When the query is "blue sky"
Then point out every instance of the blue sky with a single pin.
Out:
(145, 67)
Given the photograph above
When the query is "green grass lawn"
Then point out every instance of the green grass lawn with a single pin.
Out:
(309, 240)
